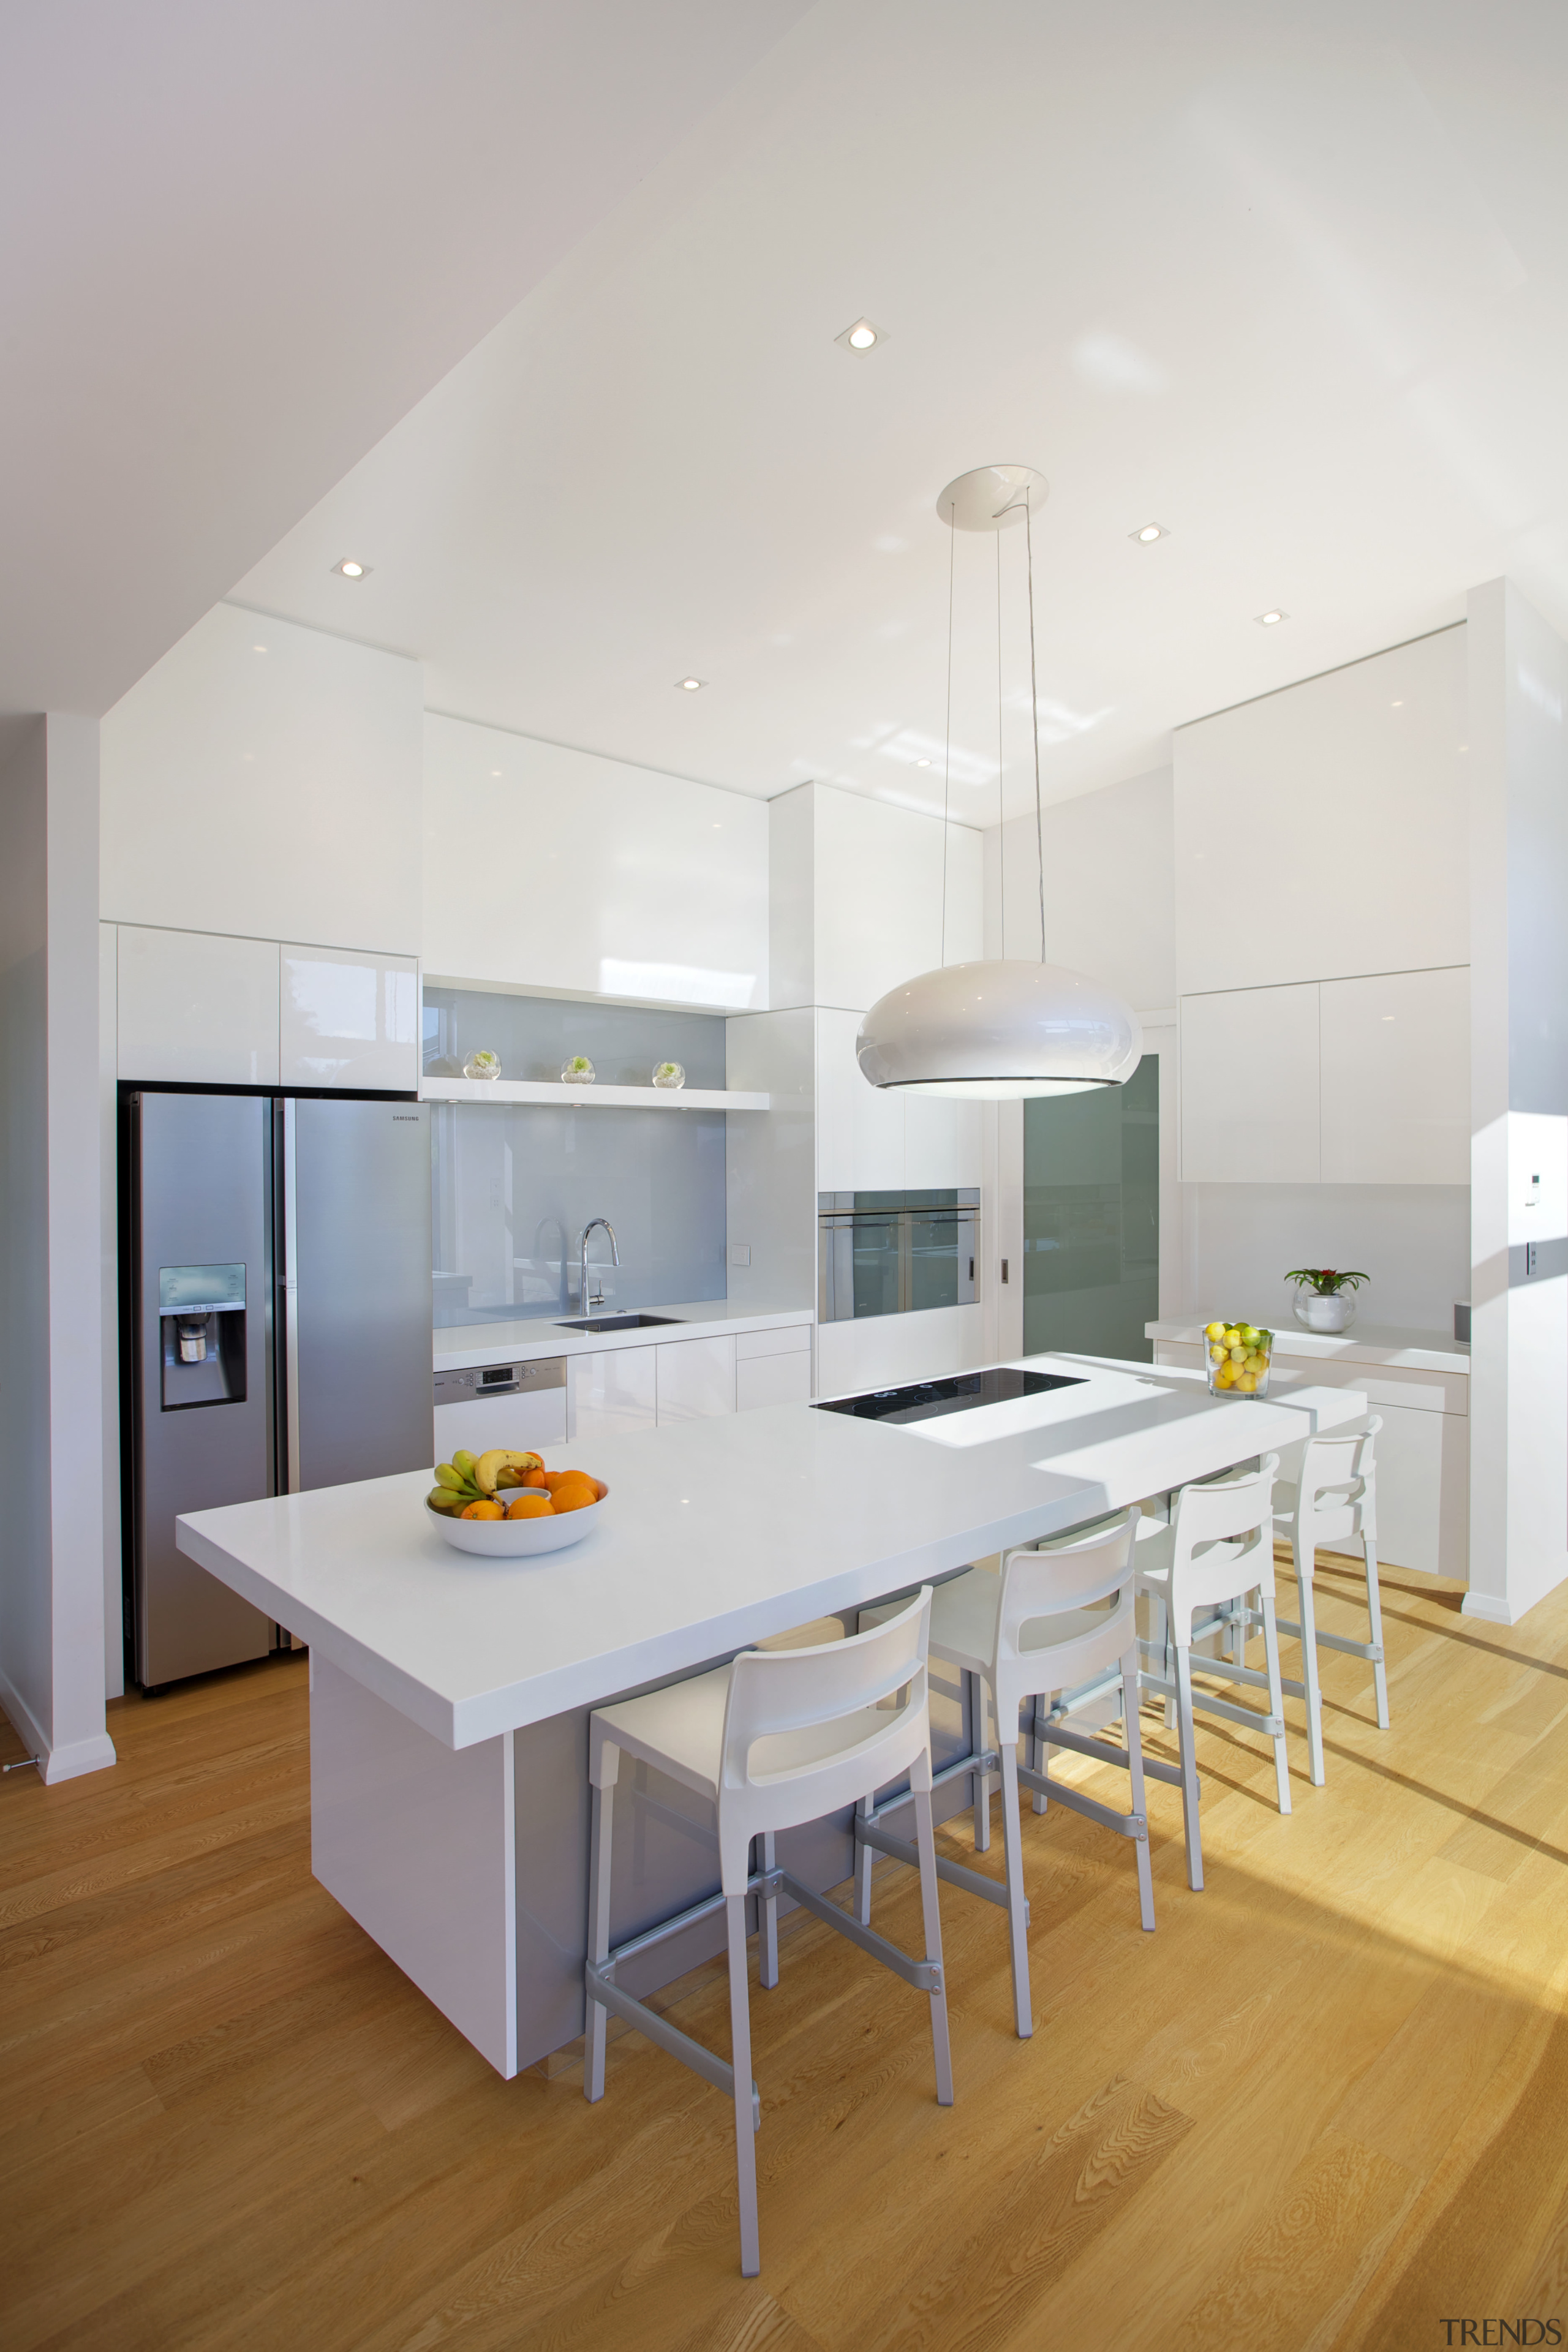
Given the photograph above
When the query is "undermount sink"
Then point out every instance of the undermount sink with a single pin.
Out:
(617, 1322)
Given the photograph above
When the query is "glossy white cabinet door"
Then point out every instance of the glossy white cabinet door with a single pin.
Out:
(942, 1143)
(772, 1380)
(611, 1393)
(1249, 1087)
(696, 1378)
(195, 1005)
(1396, 1078)
(537, 1418)
(347, 1020)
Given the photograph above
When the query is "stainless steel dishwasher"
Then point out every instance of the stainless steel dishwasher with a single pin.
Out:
(520, 1405)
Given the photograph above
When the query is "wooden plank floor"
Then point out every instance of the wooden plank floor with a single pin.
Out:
(1323, 2105)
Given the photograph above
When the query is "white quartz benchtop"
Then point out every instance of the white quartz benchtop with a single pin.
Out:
(533, 1336)
(1363, 1343)
(715, 1533)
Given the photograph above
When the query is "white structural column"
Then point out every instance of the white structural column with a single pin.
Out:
(1517, 755)
(51, 1335)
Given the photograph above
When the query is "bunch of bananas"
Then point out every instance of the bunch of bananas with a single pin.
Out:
(475, 1478)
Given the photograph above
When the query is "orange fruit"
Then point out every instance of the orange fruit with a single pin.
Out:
(539, 1477)
(551, 1479)
(576, 1492)
(484, 1511)
(531, 1507)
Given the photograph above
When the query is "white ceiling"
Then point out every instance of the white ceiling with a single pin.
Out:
(239, 243)
(1291, 282)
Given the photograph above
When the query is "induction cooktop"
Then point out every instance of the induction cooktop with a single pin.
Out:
(923, 1400)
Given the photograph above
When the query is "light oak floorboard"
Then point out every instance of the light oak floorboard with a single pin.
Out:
(1320, 2108)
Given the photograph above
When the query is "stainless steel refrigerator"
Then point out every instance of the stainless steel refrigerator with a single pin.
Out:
(276, 1332)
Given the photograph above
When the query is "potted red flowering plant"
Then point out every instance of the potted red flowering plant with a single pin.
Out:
(1325, 1299)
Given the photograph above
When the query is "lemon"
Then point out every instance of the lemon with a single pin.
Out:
(1244, 1384)
(1216, 1355)
(1214, 1331)
(1231, 1337)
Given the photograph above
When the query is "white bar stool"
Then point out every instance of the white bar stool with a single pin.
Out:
(1335, 1498)
(1217, 1547)
(774, 1738)
(1054, 1617)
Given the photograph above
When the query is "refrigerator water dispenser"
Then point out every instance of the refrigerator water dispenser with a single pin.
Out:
(201, 1311)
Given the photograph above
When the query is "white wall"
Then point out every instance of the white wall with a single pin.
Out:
(549, 868)
(1324, 831)
(1237, 1242)
(51, 1340)
(264, 779)
(1519, 865)
(862, 896)
(1110, 900)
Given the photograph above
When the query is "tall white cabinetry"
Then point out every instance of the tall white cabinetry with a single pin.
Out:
(203, 1007)
(1354, 1081)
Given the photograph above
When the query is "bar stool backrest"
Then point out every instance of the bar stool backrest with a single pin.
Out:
(1338, 1488)
(791, 1700)
(1223, 1539)
(1042, 1588)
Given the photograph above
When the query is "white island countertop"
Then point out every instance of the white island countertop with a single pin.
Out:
(530, 1337)
(715, 1533)
(1363, 1343)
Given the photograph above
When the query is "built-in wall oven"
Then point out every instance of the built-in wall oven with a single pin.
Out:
(895, 1253)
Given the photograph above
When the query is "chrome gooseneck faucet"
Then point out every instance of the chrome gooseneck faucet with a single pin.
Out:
(585, 1304)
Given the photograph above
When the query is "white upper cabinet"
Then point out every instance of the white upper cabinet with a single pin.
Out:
(195, 1006)
(1324, 831)
(347, 1020)
(1249, 1087)
(859, 1128)
(1396, 1078)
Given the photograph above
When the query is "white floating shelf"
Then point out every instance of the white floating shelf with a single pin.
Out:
(594, 1098)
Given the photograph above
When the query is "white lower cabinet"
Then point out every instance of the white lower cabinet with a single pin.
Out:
(1423, 1451)
(696, 1378)
(611, 1393)
(772, 1380)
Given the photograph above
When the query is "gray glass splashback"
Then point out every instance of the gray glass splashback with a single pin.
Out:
(1091, 1218)
(535, 1035)
(514, 1184)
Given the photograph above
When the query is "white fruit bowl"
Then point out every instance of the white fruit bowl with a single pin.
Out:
(516, 1539)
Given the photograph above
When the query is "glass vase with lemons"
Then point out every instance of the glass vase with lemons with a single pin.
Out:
(1238, 1358)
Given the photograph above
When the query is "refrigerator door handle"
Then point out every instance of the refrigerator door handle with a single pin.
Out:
(291, 1307)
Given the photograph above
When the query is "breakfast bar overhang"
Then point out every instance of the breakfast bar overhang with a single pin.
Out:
(450, 1694)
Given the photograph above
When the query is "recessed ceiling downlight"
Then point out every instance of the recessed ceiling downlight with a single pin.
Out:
(692, 685)
(351, 568)
(1148, 533)
(862, 337)
(1272, 619)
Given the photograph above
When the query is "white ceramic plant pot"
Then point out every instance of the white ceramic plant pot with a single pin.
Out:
(1315, 1312)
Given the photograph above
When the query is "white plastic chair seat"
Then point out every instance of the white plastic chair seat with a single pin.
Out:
(1335, 1512)
(680, 1730)
(963, 1616)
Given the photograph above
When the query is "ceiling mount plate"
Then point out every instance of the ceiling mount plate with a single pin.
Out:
(993, 497)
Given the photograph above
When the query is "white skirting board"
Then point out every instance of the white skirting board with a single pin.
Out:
(416, 1840)
(71, 1758)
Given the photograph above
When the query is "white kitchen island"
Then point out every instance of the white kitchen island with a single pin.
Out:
(449, 1694)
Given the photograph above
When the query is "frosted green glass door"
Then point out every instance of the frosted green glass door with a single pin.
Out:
(1091, 1218)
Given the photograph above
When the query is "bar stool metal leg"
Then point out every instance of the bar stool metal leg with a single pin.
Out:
(1306, 1562)
(1189, 1767)
(1134, 1735)
(931, 1920)
(1276, 1702)
(740, 2065)
(768, 1922)
(981, 1782)
(596, 2017)
(1374, 1611)
(864, 1857)
(1017, 1909)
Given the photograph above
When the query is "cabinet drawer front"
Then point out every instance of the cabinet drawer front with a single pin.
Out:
(696, 1379)
(792, 1340)
(772, 1380)
(611, 1390)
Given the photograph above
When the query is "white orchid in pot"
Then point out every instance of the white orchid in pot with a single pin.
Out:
(1325, 1298)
